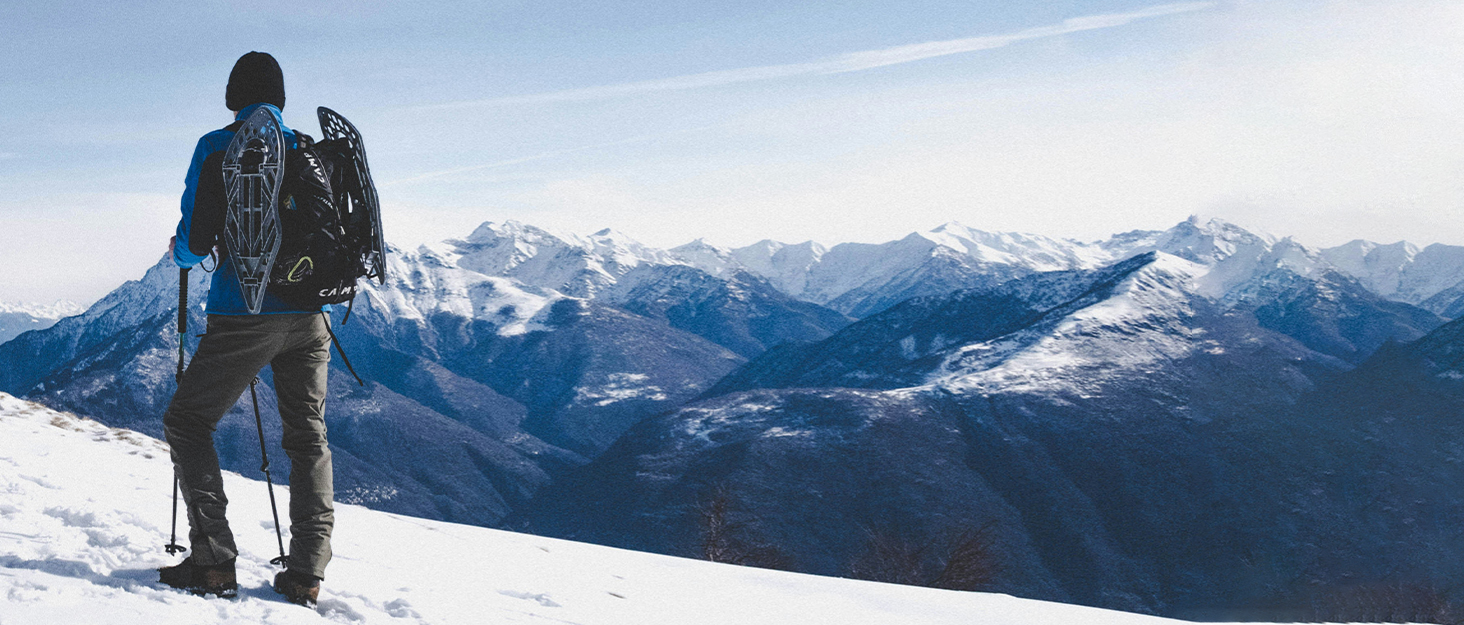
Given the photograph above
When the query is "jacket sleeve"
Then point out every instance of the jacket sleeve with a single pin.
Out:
(183, 256)
(210, 202)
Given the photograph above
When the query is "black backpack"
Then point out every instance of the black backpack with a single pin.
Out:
(326, 236)
(324, 244)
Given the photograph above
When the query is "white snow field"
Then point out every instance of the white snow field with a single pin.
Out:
(84, 514)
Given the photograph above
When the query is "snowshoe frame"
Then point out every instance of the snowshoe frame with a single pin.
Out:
(333, 126)
(254, 166)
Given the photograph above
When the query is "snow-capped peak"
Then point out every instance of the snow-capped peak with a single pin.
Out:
(573, 265)
(489, 232)
(1212, 241)
(54, 310)
(617, 249)
(430, 281)
(713, 259)
(18, 318)
(1402, 271)
(1234, 256)
(785, 265)
(1032, 251)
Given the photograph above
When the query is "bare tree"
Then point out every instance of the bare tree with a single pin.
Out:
(891, 558)
(724, 539)
(966, 560)
(971, 560)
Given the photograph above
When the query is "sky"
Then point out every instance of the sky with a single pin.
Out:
(1327, 120)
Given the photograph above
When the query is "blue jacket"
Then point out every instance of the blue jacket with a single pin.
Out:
(224, 296)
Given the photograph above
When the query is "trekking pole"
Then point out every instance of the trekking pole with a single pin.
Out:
(173, 547)
(259, 423)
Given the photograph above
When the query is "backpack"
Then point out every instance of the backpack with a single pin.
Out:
(327, 231)
(325, 240)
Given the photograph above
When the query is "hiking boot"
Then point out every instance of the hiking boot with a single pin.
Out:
(298, 588)
(202, 579)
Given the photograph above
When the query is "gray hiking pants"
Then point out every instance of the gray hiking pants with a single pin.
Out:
(230, 354)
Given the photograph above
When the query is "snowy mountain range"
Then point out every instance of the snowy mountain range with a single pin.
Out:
(1432, 277)
(859, 279)
(1129, 441)
(1114, 418)
(24, 317)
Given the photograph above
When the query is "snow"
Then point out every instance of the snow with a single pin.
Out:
(1378, 267)
(785, 266)
(429, 281)
(591, 266)
(52, 311)
(1400, 271)
(1031, 251)
(1232, 255)
(567, 263)
(1096, 338)
(85, 514)
(620, 387)
(714, 260)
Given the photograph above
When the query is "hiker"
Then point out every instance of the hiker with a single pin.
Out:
(293, 341)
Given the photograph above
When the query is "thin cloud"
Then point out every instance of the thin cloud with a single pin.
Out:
(850, 62)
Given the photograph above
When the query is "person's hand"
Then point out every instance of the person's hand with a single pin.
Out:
(173, 240)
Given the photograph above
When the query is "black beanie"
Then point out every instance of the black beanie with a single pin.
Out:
(256, 78)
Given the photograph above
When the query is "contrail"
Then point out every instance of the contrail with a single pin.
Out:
(849, 62)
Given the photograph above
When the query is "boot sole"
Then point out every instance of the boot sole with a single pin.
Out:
(305, 600)
(222, 593)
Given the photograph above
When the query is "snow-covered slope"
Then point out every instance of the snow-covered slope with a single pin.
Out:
(1290, 288)
(573, 265)
(85, 510)
(1378, 266)
(785, 266)
(861, 278)
(429, 281)
(1432, 277)
(1141, 322)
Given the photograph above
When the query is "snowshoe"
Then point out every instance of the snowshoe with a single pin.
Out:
(254, 166)
(364, 205)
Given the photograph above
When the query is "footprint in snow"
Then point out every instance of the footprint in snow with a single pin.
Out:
(73, 518)
(400, 608)
(541, 598)
(339, 611)
(40, 481)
